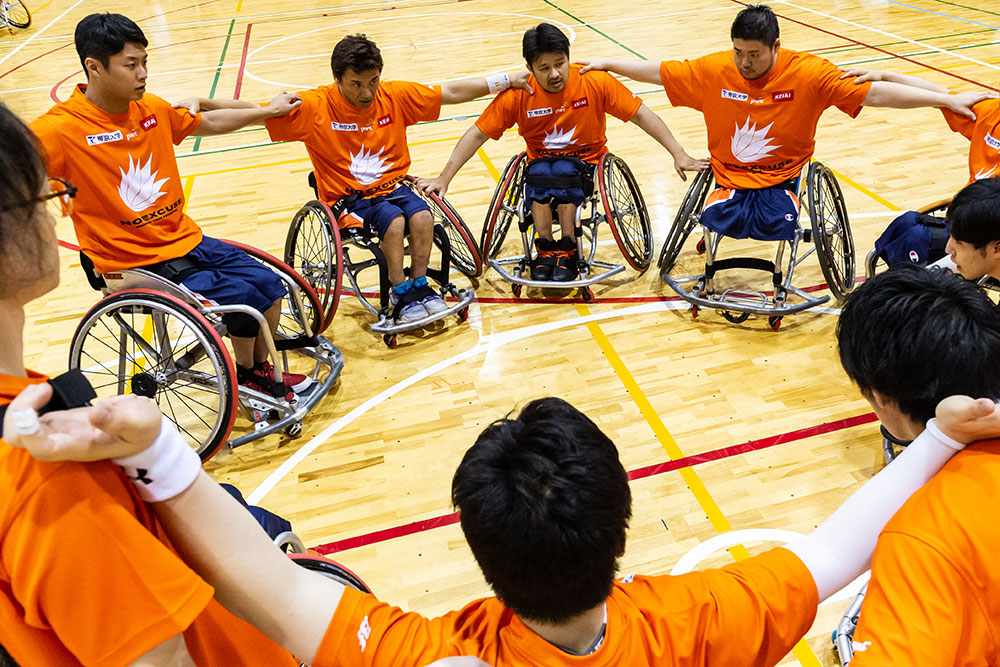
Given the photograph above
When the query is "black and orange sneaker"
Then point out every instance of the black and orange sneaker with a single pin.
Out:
(567, 258)
(545, 259)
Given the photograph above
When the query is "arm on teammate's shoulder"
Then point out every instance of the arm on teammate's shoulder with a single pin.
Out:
(231, 115)
(466, 147)
(864, 75)
(654, 126)
(647, 71)
(899, 96)
(841, 548)
(196, 105)
(463, 90)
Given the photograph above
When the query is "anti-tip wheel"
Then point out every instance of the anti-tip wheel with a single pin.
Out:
(516, 289)
(390, 341)
(694, 311)
(587, 294)
(293, 430)
(774, 322)
(463, 315)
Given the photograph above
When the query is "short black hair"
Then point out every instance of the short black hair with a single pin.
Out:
(355, 52)
(543, 38)
(100, 36)
(545, 503)
(919, 335)
(22, 172)
(755, 23)
(974, 214)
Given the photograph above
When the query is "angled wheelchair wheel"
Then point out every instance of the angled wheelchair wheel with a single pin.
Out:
(331, 570)
(151, 344)
(831, 230)
(686, 219)
(464, 252)
(17, 13)
(292, 322)
(504, 206)
(938, 208)
(314, 251)
(626, 211)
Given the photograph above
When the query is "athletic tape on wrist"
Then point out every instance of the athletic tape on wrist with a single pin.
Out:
(165, 468)
(941, 437)
(498, 82)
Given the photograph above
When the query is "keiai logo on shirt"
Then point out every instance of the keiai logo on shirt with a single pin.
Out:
(733, 95)
(534, 113)
(344, 127)
(384, 120)
(990, 141)
(106, 138)
(580, 103)
(783, 95)
(149, 122)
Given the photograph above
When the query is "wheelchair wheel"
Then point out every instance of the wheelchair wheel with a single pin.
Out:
(313, 250)
(331, 570)
(148, 343)
(938, 208)
(626, 211)
(464, 253)
(686, 219)
(292, 322)
(504, 206)
(831, 230)
(17, 13)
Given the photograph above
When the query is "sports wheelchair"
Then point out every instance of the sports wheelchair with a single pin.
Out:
(610, 185)
(156, 338)
(829, 230)
(320, 251)
(876, 260)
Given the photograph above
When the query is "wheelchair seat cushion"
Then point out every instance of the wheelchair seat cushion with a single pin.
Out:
(377, 213)
(559, 180)
(766, 214)
(913, 237)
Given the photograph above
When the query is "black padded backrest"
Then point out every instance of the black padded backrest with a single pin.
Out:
(312, 183)
(95, 279)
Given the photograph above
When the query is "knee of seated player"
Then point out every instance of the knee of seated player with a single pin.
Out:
(421, 221)
(241, 325)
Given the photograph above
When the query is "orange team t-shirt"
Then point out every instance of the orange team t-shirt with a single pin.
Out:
(749, 613)
(571, 122)
(762, 132)
(934, 595)
(87, 576)
(984, 133)
(129, 207)
(355, 150)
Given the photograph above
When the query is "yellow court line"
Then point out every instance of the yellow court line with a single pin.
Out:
(802, 651)
(490, 167)
(36, 11)
(188, 184)
(239, 6)
(857, 186)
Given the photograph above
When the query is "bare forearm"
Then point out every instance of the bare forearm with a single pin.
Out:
(466, 147)
(913, 81)
(647, 71)
(224, 120)
(212, 104)
(456, 92)
(654, 126)
(900, 96)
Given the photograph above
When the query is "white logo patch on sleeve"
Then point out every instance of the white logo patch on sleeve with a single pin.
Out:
(364, 632)
(139, 189)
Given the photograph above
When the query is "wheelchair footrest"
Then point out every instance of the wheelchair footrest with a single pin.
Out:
(739, 301)
(738, 263)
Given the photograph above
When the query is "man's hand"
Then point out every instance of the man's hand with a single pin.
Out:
(115, 427)
(863, 75)
(962, 103)
(520, 80)
(429, 185)
(284, 103)
(592, 64)
(459, 662)
(192, 104)
(967, 420)
(687, 163)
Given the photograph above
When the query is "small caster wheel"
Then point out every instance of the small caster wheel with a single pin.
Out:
(587, 294)
(293, 430)
(774, 322)
(516, 289)
(700, 247)
(735, 318)
(463, 315)
(390, 341)
(694, 311)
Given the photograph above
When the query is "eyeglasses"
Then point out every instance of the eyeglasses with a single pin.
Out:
(60, 196)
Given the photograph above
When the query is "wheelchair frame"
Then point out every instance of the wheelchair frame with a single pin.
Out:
(165, 305)
(829, 229)
(611, 178)
(872, 259)
(320, 250)
(843, 636)
(317, 563)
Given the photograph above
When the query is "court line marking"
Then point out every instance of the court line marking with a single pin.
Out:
(949, 16)
(243, 63)
(40, 32)
(218, 72)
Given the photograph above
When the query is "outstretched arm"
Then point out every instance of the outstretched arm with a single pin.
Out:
(654, 126)
(899, 96)
(466, 147)
(863, 75)
(647, 71)
(840, 549)
(463, 90)
(224, 116)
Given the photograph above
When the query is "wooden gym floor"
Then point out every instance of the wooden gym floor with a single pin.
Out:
(724, 427)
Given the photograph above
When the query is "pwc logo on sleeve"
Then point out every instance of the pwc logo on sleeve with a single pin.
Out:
(148, 123)
(384, 120)
(581, 103)
(783, 95)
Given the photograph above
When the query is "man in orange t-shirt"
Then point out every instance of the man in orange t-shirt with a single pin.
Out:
(761, 105)
(908, 337)
(115, 142)
(563, 124)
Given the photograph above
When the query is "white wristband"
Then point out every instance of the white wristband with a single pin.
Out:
(165, 468)
(498, 82)
(941, 438)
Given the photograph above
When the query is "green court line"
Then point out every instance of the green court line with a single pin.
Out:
(922, 53)
(587, 25)
(975, 9)
(218, 73)
(854, 47)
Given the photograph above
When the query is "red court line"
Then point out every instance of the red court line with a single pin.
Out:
(243, 63)
(69, 246)
(640, 473)
(879, 49)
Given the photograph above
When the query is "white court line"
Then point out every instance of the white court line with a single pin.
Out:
(37, 34)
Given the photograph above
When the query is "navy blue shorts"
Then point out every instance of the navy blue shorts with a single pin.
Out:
(377, 216)
(228, 276)
(553, 170)
(767, 214)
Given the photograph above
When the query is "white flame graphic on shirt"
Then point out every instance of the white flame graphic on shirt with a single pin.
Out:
(366, 168)
(556, 140)
(139, 189)
(982, 173)
(750, 144)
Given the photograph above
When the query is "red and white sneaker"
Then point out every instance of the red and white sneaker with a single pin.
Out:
(263, 382)
(294, 381)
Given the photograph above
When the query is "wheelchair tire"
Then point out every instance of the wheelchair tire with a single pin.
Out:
(938, 208)
(292, 321)
(464, 253)
(18, 15)
(831, 230)
(504, 206)
(331, 570)
(626, 211)
(313, 250)
(152, 344)
(686, 220)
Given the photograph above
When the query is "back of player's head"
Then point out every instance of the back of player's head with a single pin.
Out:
(917, 336)
(355, 52)
(755, 23)
(974, 213)
(544, 505)
(543, 38)
(100, 36)
(22, 172)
